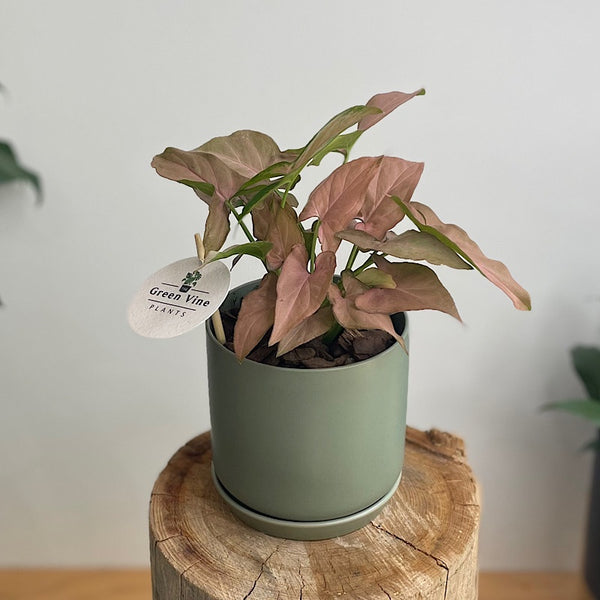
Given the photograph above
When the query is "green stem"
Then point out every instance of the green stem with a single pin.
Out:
(241, 222)
(313, 246)
(352, 258)
(333, 332)
(362, 267)
(288, 187)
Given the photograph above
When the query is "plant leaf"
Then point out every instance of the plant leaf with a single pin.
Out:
(331, 130)
(588, 409)
(349, 316)
(313, 326)
(255, 317)
(245, 152)
(277, 225)
(11, 170)
(413, 245)
(376, 278)
(262, 193)
(341, 144)
(202, 172)
(586, 360)
(393, 177)
(216, 228)
(337, 200)
(457, 239)
(417, 288)
(386, 103)
(300, 293)
(216, 170)
(257, 249)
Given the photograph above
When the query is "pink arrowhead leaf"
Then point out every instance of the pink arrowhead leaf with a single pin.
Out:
(277, 225)
(413, 245)
(393, 177)
(256, 316)
(337, 200)
(216, 170)
(417, 288)
(348, 315)
(244, 152)
(457, 239)
(312, 327)
(300, 293)
(386, 103)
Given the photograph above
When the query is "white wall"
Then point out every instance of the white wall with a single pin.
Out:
(509, 131)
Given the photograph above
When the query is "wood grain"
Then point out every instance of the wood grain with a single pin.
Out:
(423, 545)
(37, 584)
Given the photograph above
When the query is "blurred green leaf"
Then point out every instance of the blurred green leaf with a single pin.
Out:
(591, 445)
(11, 170)
(588, 409)
(586, 360)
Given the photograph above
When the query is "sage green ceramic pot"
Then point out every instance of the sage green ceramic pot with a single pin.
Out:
(307, 453)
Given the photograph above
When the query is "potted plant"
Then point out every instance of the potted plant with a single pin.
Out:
(586, 361)
(190, 280)
(308, 390)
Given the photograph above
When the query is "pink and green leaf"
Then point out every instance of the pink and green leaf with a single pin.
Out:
(342, 144)
(216, 170)
(417, 288)
(331, 130)
(216, 228)
(300, 293)
(393, 177)
(348, 315)
(280, 227)
(256, 316)
(337, 200)
(411, 245)
(313, 326)
(458, 240)
(386, 103)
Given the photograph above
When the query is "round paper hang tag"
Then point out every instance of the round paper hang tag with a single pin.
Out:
(178, 298)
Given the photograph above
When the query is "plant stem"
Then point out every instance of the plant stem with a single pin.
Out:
(313, 246)
(240, 222)
(362, 267)
(285, 194)
(333, 332)
(351, 258)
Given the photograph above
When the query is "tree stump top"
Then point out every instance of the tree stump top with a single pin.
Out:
(423, 545)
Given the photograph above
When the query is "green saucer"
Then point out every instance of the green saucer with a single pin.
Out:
(303, 530)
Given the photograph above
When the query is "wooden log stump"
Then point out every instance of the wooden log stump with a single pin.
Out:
(422, 546)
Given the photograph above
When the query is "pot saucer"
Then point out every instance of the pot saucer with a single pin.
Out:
(303, 530)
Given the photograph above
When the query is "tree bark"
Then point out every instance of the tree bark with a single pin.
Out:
(422, 546)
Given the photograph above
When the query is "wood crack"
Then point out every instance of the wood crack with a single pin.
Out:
(262, 570)
(381, 588)
(302, 583)
(182, 574)
(438, 561)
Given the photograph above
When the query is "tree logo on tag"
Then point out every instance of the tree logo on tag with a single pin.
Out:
(190, 281)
